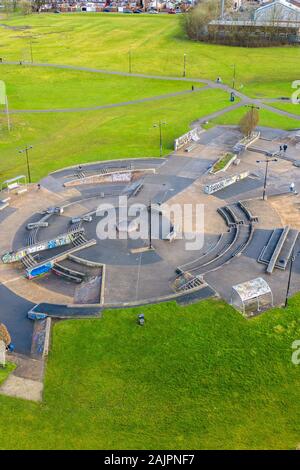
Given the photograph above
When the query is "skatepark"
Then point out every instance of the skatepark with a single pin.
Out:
(55, 265)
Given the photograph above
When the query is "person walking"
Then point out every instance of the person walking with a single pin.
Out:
(285, 147)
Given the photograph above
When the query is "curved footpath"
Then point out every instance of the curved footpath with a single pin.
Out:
(210, 84)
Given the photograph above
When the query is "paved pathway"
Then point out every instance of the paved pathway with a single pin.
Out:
(26, 381)
(209, 84)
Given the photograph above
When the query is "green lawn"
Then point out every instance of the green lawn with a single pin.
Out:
(289, 107)
(5, 371)
(45, 88)
(267, 118)
(157, 45)
(195, 377)
(63, 139)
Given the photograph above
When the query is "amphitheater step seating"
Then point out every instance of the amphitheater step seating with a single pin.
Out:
(230, 216)
(216, 251)
(277, 252)
(79, 239)
(242, 237)
(224, 251)
(250, 217)
(29, 261)
(191, 284)
(68, 274)
(32, 237)
(230, 244)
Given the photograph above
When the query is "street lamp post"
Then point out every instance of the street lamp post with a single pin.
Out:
(129, 61)
(31, 53)
(150, 224)
(266, 161)
(234, 76)
(184, 65)
(222, 9)
(294, 256)
(159, 125)
(25, 150)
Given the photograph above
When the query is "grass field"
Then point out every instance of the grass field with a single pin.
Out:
(157, 45)
(42, 88)
(195, 377)
(266, 118)
(62, 139)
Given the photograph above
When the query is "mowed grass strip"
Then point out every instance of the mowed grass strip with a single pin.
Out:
(64, 139)
(195, 377)
(157, 44)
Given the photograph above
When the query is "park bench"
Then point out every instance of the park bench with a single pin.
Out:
(21, 191)
(13, 186)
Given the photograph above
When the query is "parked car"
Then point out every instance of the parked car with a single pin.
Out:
(126, 10)
(106, 10)
(138, 11)
(153, 12)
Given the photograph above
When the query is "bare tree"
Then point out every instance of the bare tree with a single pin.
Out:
(249, 122)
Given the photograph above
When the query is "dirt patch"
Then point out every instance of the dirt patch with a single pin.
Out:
(288, 208)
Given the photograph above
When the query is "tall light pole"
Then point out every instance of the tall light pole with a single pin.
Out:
(184, 65)
(31, 53)
(222, 9)
(293, 258)
(150, 224)
(159, 125)
(234, 76)
(129, 61)
(266, 161)
(25, 150)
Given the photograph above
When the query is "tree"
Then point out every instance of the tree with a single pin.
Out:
(37, 4)
(198, 18)
(249, 121)
(25, 7)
